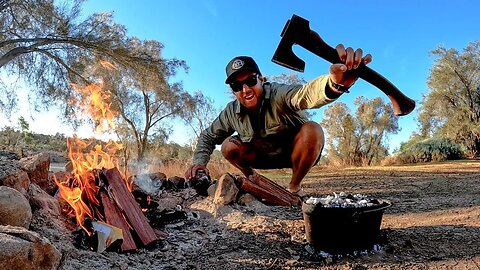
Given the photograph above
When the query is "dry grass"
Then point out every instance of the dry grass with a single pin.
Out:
(219, 167)
(178, 168)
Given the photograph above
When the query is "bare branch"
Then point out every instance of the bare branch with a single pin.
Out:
(64, 65)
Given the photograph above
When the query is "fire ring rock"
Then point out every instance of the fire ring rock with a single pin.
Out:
(14, 208)
(37, 169)
(12, 175)
(227, 191)
(23, 249)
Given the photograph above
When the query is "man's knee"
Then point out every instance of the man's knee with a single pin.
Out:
(235, 151)
(232, 147)
(308, 144)
(311, 132)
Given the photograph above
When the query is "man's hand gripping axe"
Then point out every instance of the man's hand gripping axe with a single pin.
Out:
(297, 31)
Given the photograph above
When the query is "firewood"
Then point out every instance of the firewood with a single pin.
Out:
(275, 188)
(114, 217)
(262, 189)
(129, 206)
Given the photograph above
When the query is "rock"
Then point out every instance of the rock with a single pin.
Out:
(40, 200)
(211, 189)
(226, 191)
(69, 166)
(57, 157)
(37, 168)
(11, 175)
(201, 182)
(9, 155)
(61, 176)
(149, 184)
(166, 202)
(23, 249)
(14, 208)
(246, 199)
(177, 182)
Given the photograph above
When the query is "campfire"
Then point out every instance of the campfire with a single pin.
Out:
(97, 193)
(97, 190)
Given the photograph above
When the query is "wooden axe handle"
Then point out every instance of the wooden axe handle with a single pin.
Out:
(402, 105)
(297, 31)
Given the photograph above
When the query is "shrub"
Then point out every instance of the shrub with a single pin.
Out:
(435, 149)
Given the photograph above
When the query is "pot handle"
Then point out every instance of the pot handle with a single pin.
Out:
(381, 208)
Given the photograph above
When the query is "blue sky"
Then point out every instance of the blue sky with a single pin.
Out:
(207, 34)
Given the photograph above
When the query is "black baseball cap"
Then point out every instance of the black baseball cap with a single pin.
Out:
(240, 63)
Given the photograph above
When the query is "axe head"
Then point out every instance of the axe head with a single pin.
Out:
(296, 29)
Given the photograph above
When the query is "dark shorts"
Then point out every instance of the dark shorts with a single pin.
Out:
(272, 152)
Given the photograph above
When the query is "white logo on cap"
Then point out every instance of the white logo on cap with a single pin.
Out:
(237, 64)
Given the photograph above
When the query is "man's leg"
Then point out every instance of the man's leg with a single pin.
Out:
(239, 154)
(307, 148)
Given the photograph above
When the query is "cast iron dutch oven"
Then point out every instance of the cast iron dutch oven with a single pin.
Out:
(343, 230)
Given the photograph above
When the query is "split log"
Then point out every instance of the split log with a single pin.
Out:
(114, 217)
(268, 184)
(264, 188)
(129, 206)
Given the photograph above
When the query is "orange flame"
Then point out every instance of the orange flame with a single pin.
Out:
(95, 102)
(81, 190)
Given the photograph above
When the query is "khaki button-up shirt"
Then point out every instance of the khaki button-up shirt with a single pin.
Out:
(281, 112)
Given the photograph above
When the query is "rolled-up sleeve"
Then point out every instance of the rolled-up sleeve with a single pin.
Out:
(311, 95)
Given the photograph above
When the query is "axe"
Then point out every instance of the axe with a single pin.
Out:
(297, 31)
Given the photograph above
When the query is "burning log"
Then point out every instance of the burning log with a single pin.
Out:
(97, 191)
(131, 210)
(114, 217)
(264, 188)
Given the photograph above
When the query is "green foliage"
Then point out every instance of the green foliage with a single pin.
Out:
(18, 141)
(24, 126)
(452, 107)
(414, 138)
(434, 149)
(358, 139)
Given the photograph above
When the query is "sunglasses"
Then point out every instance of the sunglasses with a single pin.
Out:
(250, 81)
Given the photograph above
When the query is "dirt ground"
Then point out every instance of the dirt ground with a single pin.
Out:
(433, 223)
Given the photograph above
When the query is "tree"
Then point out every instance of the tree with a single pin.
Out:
(292, 78)
(46, 43)
(201, 117)
(143, 104)
(27, 136)
(288, 79)
(451, 109)
(358, 139)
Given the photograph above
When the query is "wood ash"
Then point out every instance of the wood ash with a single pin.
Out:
(343, 200)
(311, 253)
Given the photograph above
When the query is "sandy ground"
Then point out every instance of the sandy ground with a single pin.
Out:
(433, 223)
